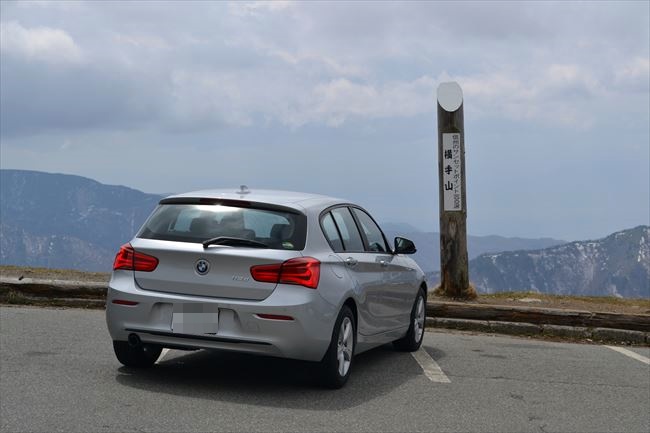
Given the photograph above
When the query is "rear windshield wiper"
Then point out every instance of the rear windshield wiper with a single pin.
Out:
(226, 240)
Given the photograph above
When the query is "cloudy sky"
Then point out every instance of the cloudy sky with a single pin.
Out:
(340, 98)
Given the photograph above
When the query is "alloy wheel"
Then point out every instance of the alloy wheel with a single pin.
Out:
(418, 320)
(345, 346)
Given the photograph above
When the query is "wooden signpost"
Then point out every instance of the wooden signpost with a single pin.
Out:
(454, 273)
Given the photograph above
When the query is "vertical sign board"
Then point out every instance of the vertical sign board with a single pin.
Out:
(451, 172)
(454, 278)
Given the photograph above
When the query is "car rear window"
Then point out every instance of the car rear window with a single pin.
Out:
(197, 223)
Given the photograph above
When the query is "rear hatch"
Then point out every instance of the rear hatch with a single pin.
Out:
(228, 269)
(243, 234)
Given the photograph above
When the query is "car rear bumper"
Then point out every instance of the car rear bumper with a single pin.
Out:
(239, 328)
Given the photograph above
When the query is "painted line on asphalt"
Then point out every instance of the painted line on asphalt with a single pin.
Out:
(431, 369)
(162, 355)
(630, 354)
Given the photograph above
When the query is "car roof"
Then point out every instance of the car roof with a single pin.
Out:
(296, 200)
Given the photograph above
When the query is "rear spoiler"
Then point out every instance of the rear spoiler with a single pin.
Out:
(231, 203)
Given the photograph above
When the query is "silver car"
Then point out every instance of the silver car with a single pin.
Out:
(274, 273)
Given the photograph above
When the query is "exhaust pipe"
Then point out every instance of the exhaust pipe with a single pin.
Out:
(134, 340)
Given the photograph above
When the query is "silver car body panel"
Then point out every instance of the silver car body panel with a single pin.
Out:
(229, 269)
(382, 287)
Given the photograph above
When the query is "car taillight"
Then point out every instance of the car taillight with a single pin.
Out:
(266, 273)
(303, 271)
(131, 260)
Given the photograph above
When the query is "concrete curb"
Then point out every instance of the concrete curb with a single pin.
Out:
(523, 321)
(603, 335)
(538, 315)
(54, 289)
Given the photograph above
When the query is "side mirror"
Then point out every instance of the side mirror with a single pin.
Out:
(404, 246)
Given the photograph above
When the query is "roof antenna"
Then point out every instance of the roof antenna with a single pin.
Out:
(243, 190)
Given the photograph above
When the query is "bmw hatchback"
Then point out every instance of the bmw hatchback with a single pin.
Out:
(272, 273)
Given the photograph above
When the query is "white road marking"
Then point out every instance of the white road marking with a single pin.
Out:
(162, 355)
(630, 354)
(431, 369)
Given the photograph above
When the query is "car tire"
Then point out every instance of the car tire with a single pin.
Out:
(337, 362)
(142, 356)
(415, 334)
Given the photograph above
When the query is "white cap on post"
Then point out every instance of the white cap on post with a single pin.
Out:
(450, 96)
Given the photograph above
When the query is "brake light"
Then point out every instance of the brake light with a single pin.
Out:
(131, 260)
(303, 271)
(266, 273)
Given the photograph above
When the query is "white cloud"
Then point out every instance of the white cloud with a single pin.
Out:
(635, 74)
(257, 8)
(565, 77)
(326, 62)
(300, 64)
(199, 99)
(337, 100)
(142, 41)
(49, 4)
(39, 43)
(555, 95)
(497, 87)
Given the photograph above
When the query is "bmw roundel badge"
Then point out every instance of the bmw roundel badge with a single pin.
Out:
(202, 266)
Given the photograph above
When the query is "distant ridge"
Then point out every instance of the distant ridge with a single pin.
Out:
(67, 221)
(617, 265)
(428, 245)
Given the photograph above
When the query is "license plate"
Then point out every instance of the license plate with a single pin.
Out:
(195, 319)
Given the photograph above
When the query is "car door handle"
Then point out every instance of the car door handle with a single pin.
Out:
(350, 261)
(383, 263)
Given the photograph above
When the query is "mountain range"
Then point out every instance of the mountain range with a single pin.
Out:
(428, 245)
(617, 265)
(67, 221)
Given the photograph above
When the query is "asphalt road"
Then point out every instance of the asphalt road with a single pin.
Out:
(58, 373)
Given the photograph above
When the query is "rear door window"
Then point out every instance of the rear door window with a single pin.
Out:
(372, 232)
(348, 229)
(198, 223)
(331, 233)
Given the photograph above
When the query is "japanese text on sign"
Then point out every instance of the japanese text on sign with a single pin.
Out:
(451, 172)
